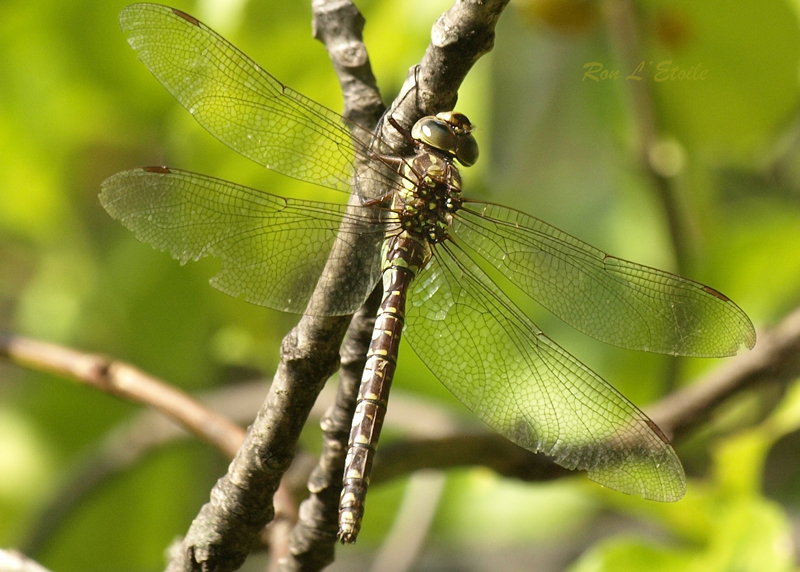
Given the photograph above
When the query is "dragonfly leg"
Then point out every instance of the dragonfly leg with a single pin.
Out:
(402, 131)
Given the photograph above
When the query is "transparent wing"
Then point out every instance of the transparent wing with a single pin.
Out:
(274, 251)
(526, 387)
(616, 301)
(245, 107)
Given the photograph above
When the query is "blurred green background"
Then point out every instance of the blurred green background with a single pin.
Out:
(76, 106)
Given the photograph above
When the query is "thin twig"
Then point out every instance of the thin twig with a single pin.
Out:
(459, 38)
(468, 449)
(775, 359)
(338, 25)
(314, 537)
(408, 534)
(450, 442)
(134, 439)
(127, 382)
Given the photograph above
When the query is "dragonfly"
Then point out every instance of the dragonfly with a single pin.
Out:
(430, 247)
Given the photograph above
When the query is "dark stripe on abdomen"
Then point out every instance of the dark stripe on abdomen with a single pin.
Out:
(373, 396)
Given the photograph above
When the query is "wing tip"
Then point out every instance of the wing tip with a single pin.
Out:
(746, 338)
(623, 478)
(129, 14)
(751, 338)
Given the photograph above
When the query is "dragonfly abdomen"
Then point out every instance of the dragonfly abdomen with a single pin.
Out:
(405, 256)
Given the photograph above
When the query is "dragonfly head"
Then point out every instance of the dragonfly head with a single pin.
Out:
(450, 132)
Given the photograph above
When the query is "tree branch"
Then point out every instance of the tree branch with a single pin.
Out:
(222, 534)
(775, 360)
(225, 530)
(127, 382)
(442, 440)
(458, 39)
(124, 447)
(338, 24)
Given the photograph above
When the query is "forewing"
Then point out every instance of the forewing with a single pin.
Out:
(618, 302)
(245, 107)
(523, 385)
(274, 251)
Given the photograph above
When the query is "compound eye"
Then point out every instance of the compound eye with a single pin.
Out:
(467, 151)
(436, 133)
(459, 121)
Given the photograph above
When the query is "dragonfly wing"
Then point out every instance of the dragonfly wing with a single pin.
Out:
(274, 251)
(613, 300)
(526, 387)
(245, 107)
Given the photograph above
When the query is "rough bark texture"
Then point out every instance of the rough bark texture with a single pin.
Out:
(458, 39)
(312, 542)
(441, 440)
(226, 528)
(338, 25)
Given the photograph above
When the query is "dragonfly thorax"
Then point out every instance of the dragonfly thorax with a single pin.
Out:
(431, 194)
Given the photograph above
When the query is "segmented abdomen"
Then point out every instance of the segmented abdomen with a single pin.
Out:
(405, 258)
